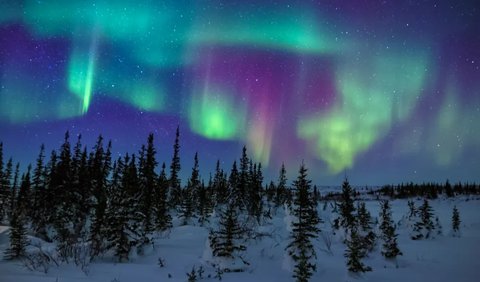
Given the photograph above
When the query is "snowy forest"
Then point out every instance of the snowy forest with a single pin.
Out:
(79, 214)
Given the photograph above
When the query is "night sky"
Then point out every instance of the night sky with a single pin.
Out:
(388, 91)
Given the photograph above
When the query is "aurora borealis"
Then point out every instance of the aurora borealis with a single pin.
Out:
(387, 90)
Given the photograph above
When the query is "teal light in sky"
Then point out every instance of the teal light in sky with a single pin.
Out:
(315, 81)
(81, 71)
(298, 32)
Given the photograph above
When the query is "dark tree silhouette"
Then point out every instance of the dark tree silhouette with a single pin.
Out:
(354, 253)
(456, 221)
(347, 208)
(390, 248)
(175, 188)
(304, 228)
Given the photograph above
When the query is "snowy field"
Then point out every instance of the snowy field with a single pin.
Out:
(444, 258)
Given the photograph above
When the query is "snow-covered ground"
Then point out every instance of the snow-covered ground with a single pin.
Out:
(444, 258)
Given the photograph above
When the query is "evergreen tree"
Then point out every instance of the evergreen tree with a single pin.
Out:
(23, 198)
(220, 185)
(304, 228)
(354, 252)
(364, 217)
(346, 205)
(194, 180)
(234, 194)
(3, 187)
(18, 237)
(448, 189)
(39, 220)
(243, 178)
(228, 240)
(192, 275)
(205, 204)
(63, 212)
(80, 189)
(424, 226)
(131, 204)
(175, 188)
(188, 206)
(117, 213)
(365, 231)
(5, 191)
(270, 192)
(163, 220)
(50, 172)
(412, 211)
(390, 248)
(98, 229)
(254, 189)
(456, 221)
(148, 182)
(83, 195)
(13, 192)
(100, 165)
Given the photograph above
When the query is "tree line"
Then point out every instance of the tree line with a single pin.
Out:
(78, 197)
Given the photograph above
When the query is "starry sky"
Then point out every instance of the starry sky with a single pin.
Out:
(386, 91)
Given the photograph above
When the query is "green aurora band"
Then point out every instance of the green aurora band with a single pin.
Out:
(214, 114)
(375, 87)
(370, 102)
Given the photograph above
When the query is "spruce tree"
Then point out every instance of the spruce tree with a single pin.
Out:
(39, 220)
(12, 201)
(163, 220)
(131, 203)
(190, 193)
(175, 188)
(98, 229)
(448, 189)
(50, 172)
(354, 252)
(255, 191)
(364, 217)
(456, 221)
(194, 180)
(281, 191)
(83, 195)
(187, 208)
(18, 237)
(3, 187)
(424, 226)
(243, 179)
(304, 228)
(117, 213)
(100, 168)
(220, 185)
(148, 182)
(62, 185)
(390, 248)
(347, 208)
(228, 240)
(205, 203)
(412, 211)
(80, 187)
(234, 193)
(365, 231)
(24, 196)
